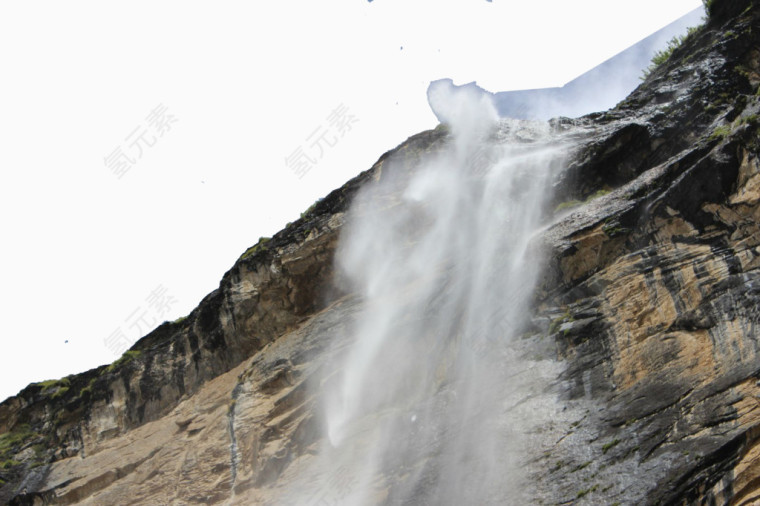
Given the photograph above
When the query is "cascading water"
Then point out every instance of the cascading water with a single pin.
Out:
(436, 398)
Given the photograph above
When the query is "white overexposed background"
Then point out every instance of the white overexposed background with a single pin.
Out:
(145, 145)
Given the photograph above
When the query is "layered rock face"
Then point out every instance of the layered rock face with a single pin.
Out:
(648, 302)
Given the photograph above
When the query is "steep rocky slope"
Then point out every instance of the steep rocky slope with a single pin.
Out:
(648, 300)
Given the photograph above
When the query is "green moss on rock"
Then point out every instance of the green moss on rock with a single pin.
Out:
(11, 442)
(259, 246)
(127, 357)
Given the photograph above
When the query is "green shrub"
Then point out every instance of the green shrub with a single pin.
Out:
(709, 6)
(663, 55)
(58, 393)
(720, 133)
(46, 384)
(7, 464)
(259, 246)
(87, 391)
(10, 440)
(50, 384)
(39, 450)
(311, 209)
(128, 356)
(557, 322)
(751, 120)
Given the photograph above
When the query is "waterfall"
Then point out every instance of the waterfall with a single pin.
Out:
(436, 397)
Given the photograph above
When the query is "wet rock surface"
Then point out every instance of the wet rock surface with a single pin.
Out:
(649, 301)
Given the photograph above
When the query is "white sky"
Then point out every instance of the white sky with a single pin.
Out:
(246, 83)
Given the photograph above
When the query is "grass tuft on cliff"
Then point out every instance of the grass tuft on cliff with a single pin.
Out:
(87, 390)
(259, 246)
(54, 384)
(11, 441)
(128, 356)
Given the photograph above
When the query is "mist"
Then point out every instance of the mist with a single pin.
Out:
(437, 399)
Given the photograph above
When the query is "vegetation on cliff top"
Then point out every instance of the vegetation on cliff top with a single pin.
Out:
(261, 245)
(128, 356)
(709, 6)
(663, 55)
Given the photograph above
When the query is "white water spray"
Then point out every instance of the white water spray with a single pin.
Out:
(437, 393)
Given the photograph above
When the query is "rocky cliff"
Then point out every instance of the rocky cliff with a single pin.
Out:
(649, 301)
